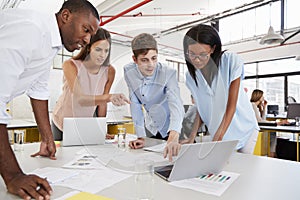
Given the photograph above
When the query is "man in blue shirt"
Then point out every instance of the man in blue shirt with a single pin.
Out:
(155, 97)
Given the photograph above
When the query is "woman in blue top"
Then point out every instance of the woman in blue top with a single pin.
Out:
(214, 79)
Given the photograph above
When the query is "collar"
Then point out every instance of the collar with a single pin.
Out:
(55, 34)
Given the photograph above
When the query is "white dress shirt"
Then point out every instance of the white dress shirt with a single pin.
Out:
(28, 43)
(159, 95)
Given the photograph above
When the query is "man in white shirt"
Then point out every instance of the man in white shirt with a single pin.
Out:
(29, 41)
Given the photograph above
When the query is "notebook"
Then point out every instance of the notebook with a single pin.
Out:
(198, 159)
(84, 131)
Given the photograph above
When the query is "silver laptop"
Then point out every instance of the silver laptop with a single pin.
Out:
(84, 131)
(198, 159)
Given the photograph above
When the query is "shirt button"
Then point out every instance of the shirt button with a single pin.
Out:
(143, 95)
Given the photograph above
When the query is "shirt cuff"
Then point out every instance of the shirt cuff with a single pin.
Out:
(39, 95)
(140, 131)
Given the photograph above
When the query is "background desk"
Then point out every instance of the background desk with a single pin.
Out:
(28, 125)
(260, 178)
(287, 129)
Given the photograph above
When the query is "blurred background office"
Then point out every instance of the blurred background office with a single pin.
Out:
(271, 60)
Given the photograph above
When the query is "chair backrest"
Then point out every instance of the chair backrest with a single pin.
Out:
(291, 99)
(293, 110)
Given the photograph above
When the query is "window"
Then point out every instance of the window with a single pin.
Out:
(292, 14)
(277, 78)
(62, 56)
(234, 28)
(180, 67)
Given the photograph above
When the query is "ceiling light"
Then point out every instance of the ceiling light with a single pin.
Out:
(271, 37)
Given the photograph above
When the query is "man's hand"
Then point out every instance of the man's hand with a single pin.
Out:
(47, 149)
(27, 186)
(137, 144)
(173, 147)
(119, 99)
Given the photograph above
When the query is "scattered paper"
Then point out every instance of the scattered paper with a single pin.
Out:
(85, 161)
(156, 148)
(93, 181)
(55, 175)
(215, 184)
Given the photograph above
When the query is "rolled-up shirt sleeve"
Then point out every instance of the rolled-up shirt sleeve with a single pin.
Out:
(39, 89)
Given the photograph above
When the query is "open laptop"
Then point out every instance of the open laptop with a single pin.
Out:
(198, 159)
(84, 131)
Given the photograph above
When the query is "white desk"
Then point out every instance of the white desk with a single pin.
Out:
(21, 123)
(260, 178)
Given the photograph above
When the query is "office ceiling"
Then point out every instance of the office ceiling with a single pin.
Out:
(127, 18)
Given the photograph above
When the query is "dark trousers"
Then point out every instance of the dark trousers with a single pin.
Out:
(158, 136)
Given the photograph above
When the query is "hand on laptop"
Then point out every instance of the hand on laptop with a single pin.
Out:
(173, 146)
(137, 144)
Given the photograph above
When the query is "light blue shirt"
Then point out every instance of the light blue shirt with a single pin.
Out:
(159, 95)
(212, 101)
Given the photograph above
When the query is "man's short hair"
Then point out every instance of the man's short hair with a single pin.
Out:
(79, 6)
(142, 43)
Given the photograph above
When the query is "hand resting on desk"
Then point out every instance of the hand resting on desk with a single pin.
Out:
(25, 185)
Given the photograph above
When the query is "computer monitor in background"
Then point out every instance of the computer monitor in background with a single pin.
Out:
(273, 109)
(293, 110)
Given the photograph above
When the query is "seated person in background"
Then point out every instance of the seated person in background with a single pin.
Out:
(259, 105)
(153, 87)
(87, 81)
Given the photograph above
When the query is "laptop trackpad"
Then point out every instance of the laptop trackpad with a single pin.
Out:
(164, 171)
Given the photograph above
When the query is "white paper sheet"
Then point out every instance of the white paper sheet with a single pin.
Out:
(209, 184)
(55, 175)
(94, 181)
(85, 161)
(156, 148)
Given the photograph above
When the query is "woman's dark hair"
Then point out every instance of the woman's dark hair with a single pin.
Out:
(101, 34)
(203, 34)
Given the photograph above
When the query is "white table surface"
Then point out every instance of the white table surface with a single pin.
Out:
(21, 123)
(260, 178)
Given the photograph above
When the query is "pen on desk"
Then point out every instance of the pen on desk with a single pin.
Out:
(217, 177)
(228, 177)
(220, 180)
(208, 176)
(203, 176)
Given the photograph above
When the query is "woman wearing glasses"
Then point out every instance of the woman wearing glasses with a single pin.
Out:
(214, 80)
